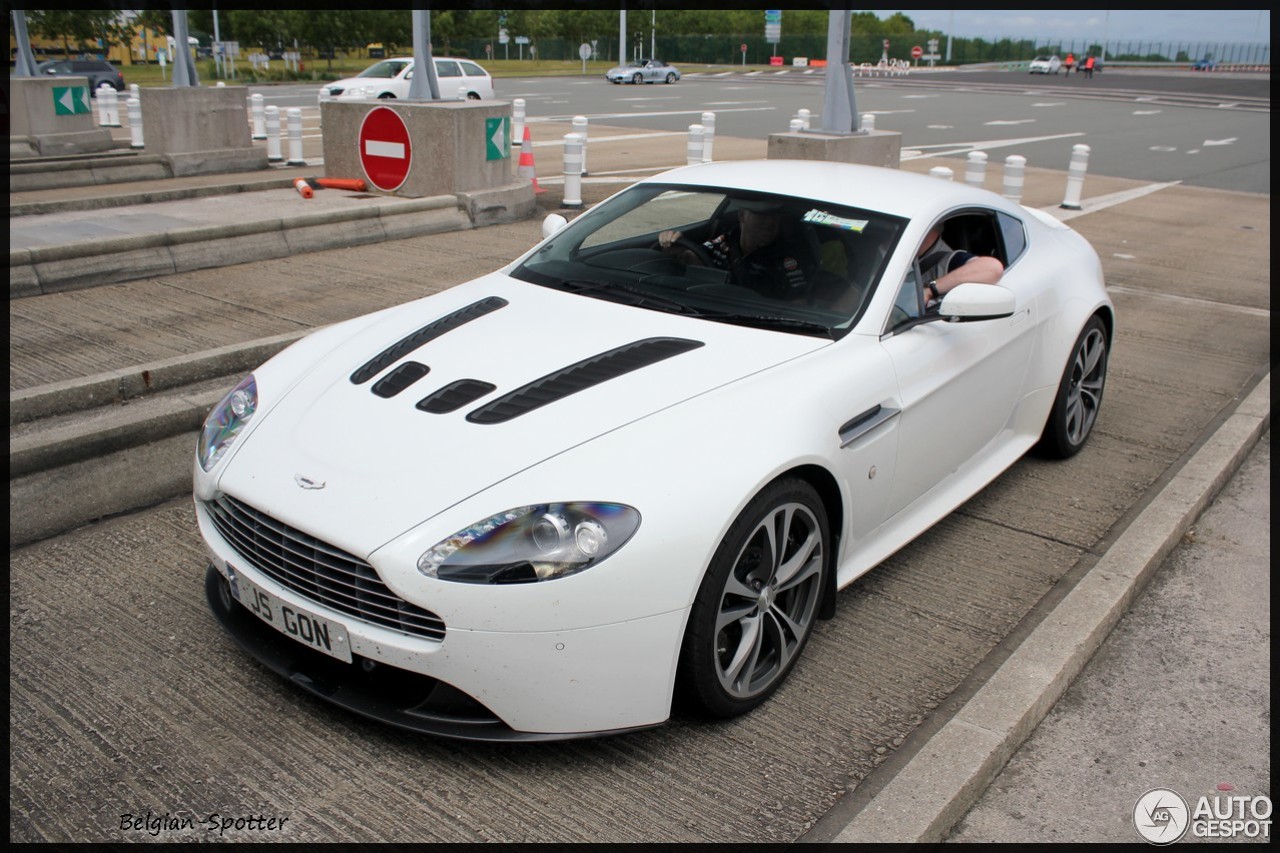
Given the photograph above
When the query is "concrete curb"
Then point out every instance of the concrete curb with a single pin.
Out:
(51, 269)
(36, 208)
(116, 386)
(940, 783)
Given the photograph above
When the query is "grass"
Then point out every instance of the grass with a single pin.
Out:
(320, 70)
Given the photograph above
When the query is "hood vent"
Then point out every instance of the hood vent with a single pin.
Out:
(454, 396)
(429, 332)
(400, 378)
(577, 377)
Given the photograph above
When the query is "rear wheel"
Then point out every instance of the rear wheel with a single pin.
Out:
(386, 96)
(758, 602)
(1075, 409)
(637, 79)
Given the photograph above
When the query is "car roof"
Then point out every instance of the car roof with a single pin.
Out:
(892, 191)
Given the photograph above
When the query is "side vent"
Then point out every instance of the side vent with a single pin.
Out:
(454, 396)
(577, 377)
(429, 332)
(400, 378)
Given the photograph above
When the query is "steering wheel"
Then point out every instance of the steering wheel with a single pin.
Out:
(699, 250)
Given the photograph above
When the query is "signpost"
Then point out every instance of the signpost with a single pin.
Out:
(744, 54)
(917, 52)
(385, 151)
(773, 28)
(584, 51)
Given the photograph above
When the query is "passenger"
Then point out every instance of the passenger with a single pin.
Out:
(942, 267)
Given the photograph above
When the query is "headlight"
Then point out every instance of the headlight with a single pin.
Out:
(532, 543)
(226, 420)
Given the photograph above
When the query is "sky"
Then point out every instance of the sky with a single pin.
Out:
(1168, 25)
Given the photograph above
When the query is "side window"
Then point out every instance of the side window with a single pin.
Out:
(1014, 235)
(906, 305)
(472, 70)
(447, 68)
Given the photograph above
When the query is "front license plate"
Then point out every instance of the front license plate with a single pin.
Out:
(323, 635)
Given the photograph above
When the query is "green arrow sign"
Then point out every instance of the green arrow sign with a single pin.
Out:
(70, 100)
(497, 135)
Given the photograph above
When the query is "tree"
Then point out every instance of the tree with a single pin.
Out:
(97, 29)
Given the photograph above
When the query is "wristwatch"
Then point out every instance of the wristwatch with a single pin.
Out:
(932, 286)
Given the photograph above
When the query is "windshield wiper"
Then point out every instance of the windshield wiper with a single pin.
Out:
(644, 299)
(761, 321)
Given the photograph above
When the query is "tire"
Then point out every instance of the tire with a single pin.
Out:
(1079, 398)
(473, 96)
(637, 79)
(671, 78)
(757, 605)
(386, 96)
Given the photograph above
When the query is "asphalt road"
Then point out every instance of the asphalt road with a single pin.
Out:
(128, 700)
(1204, 129)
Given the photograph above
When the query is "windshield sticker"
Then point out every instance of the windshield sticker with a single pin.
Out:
(819, 217)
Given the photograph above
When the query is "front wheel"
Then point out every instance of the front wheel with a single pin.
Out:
(1079, 398)
(671, 78)
(758, 602)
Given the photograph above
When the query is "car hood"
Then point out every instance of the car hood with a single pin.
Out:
(564, 369)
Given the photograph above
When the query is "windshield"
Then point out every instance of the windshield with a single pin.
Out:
(389, 68)
(776, 262)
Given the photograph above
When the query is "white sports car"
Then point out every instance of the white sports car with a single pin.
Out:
(623, 471)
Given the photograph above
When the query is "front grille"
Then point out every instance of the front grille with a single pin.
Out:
(316, 570)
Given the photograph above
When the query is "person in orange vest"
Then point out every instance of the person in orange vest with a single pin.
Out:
(1069, 63)
(1088, 67)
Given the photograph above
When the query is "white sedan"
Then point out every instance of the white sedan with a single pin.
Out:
(633, 467)
(1045, 64)
(458, 79)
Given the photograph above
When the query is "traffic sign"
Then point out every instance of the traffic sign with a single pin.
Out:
(385, 151)
(917, 52)
(743, 48)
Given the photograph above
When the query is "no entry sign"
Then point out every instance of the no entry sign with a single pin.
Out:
(385, 152)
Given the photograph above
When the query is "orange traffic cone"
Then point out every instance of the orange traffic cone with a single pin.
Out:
(353, 184)
(525, 169)
(303, 188)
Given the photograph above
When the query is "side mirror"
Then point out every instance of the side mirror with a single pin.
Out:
(969, 302)
(553, 223)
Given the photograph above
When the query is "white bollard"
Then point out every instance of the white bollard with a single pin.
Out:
(804, 116)
(113, 106)
(572, 170)
(295, 137)
(258, 116)
(274, 154)
(517, 120)
(868, 122)
(708, 135)
(1075, 177)
(941, 172)
(102, 104)
(135, 91)
(580, 128)
(797, 125)
(1015, 170)
(975, 170)
(133, 108)
(694, 150)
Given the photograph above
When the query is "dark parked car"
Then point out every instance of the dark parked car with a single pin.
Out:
(98, 71)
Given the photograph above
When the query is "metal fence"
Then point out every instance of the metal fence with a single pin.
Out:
(728, 49)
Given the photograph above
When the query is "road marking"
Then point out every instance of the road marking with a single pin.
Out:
(538, 119)
(1189, 300)
(1102, 202)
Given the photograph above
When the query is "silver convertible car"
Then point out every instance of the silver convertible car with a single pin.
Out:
(644, 71)
(630, 470)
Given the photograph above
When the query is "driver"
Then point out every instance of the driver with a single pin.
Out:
(751, 251)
